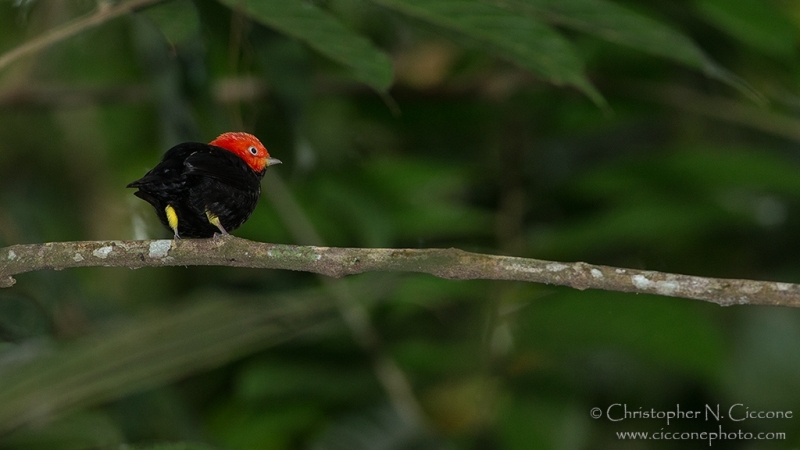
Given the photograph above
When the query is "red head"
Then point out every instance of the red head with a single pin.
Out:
(247, 147)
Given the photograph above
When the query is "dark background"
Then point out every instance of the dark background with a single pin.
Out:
(571, 131)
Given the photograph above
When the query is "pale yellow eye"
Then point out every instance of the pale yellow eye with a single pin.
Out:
(253, 151)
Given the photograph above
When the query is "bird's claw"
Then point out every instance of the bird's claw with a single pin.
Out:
(219, 236)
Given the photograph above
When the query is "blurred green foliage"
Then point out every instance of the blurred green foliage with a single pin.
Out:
(656, 135)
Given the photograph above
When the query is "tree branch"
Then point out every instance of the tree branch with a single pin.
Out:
(103, 14)
(337, 262)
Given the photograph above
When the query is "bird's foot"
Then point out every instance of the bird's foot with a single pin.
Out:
(220, 236)
(214, 220)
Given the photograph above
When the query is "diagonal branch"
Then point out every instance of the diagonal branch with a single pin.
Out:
(337, 262)
(103, 14)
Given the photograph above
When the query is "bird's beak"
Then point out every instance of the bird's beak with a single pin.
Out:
(273, 161)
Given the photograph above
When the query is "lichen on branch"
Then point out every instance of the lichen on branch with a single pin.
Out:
(337, 262)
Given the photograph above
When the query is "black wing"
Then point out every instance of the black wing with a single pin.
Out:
(171, 169)
(223, 166)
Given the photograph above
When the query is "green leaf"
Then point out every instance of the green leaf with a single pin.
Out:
(620, 25)
(178, 20)
(136, 356)
(526, 41)
(755, 22)
(733, 168)
(324, 33)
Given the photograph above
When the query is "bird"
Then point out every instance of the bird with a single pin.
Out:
(204, 190)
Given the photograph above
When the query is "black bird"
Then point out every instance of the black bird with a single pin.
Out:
(201, 189)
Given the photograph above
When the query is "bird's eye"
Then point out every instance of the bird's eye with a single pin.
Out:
(253, 151)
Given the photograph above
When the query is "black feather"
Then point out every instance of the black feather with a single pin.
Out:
(194, 178)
